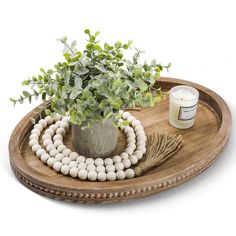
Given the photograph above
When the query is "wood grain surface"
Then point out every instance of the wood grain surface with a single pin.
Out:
(203, 143)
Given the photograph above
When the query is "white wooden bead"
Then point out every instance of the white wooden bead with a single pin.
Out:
(73, 164)
(32, 142)
(119, 166)
(100, 169)
(111, 176)
(46, 136)
(131, 135)
(135, 123)
(64, 125)
(39, 127)
(35, 131)
(65, 160)
(53, 152)
(83, 174)
(91, 167)
(59, 157)
(89, 161)
(138, 154)
(141, 143)
(36, 147)
(120, 175)
(124, 155)
(33, 136)
(51, 161)
(73, 155)
(142, 138)
(66, 152)
(44, 157)
(129, 173)
(49, 131)
(129, 151)
(133, 159)
(40, 152)
(61, 148)
(58, 143)
(131, 145)
(102, 176)
(57, 166)
(66, 119)
(125, 115)
(65, 169)
(57, 137)
(50, 147)
(140, 133)
(141, 146)
(46, 142)
(43, 123)
(126, 163)
(131, 140)
(74, 172)
(138, 127)
(61, 131)
(80, 159)
(58, 123)
(110, 168)
(145, 138)
(142, 149)
(108, 161)
(56, 118)
(92, 175)
(99, 162)
(53, 127)
(82, 166)
(128, 129)
(116, 159)
(130, 119)
(49, 120)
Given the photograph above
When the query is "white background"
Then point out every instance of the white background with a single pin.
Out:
(198, 37)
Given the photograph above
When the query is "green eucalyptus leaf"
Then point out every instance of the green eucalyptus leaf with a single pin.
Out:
(26, 94)
(141, 85)
(118, 44)
(103, 103)
(87, 31)
(75, 92)
(74, 63)
(78, 82)
(116, 103)
(116, 84)
(82, 71)
(100, 67)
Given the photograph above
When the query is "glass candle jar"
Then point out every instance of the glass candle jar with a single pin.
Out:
(183, 102)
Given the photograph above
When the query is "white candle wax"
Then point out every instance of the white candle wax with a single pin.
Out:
(183, 106)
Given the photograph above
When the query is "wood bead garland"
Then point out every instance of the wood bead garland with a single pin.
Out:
(57, 156)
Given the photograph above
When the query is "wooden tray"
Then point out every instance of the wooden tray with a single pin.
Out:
(202, 145)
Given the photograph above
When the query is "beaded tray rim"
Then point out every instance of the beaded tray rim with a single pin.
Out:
(131, 188)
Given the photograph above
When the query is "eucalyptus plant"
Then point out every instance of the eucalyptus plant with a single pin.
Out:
(95, 83)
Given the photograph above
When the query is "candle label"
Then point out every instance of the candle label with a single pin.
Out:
(187, 113)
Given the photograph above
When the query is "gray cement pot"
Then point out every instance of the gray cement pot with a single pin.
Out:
(98, 141)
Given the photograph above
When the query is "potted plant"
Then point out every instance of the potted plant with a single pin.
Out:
(91, 86)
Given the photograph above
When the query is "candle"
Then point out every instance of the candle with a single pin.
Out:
(182, 106)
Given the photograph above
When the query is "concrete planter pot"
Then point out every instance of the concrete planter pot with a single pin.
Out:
(98, 141)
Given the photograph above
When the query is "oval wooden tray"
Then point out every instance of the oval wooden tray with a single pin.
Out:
(202, 145)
